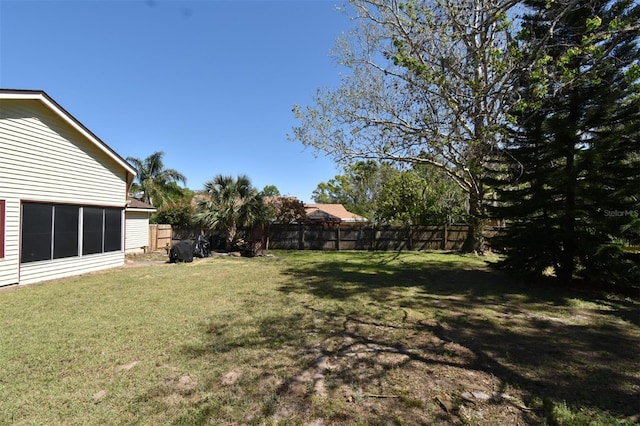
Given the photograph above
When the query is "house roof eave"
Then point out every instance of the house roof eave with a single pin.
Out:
(135, 209)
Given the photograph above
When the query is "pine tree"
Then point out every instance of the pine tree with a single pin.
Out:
(573, 153)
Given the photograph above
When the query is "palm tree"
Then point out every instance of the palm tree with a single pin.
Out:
(230, 204)
(157, 184)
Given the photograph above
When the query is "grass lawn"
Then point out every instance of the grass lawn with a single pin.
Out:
(316, 338)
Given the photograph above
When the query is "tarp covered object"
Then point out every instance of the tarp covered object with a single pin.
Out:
(181, 252)
(201, 247)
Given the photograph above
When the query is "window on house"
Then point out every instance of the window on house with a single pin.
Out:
(112, 229)
(37, 237)
(65, 231)
(102, 230)
(92, 225)
(2, 222)
(53, 231)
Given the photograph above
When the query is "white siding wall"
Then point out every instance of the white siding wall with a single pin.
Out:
(42, 158)
(137, 231)
(9, 265)
(59, 268)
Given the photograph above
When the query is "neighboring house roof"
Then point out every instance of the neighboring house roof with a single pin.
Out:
(332, 212)
(133, 204)
(40, 95)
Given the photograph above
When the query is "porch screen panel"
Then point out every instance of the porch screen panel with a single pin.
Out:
(65, 231)
(36, 232)
(112, 229)
(92, 227)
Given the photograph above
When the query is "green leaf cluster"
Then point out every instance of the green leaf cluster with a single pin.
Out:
(385, 194)
(178, 215)
(154, 184)
(228, 204)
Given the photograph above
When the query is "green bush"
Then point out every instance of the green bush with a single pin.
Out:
(179, 215)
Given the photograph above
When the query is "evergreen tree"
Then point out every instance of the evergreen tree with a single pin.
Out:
(573, 153)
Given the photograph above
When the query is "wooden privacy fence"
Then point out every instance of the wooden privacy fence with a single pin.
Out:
(163, 236)
(160, 236)
(350, 237)
(332, 237)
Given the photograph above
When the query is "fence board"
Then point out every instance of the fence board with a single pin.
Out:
(159, 236)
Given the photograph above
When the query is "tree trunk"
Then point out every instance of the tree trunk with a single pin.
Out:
(567, 263)
(231, 235)
(570, 135)
(474, 243)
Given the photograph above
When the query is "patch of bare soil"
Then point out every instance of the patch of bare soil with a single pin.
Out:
(428, 380)
(466, 347)
(144, 259)
(176, 388)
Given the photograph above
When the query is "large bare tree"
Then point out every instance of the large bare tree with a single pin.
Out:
(427, 84)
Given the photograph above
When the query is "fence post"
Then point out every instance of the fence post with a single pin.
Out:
(338, 237)
(445, 236)
(266, 236)
(374, 235)
(153, 236)
(300, 236)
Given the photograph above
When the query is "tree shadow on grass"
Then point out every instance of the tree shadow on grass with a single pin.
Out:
(384, 274)
(570, 345)
(387, 332)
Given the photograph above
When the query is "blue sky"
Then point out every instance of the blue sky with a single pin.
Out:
(211, 83)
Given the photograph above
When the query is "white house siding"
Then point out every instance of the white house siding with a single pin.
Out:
(59, 268)
(45, 159)
(10, 263)
(137, 231)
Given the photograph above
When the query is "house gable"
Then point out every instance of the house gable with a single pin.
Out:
(49, 104)
(49, 158)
